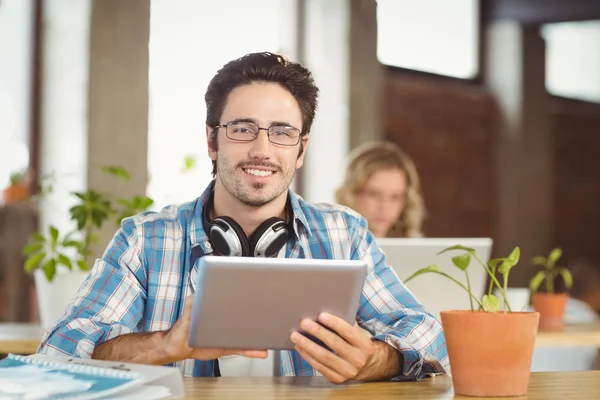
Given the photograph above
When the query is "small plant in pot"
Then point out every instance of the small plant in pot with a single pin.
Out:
(490, 347)
(550, 304)
(90, 213)
(17, 190)
(50, 250)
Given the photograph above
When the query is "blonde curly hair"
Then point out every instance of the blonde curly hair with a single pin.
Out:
(371, 157)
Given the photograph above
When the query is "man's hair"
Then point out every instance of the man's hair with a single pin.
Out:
(260, 67)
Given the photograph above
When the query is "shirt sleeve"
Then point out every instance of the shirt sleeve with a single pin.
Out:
(109, 303)
(390, 312)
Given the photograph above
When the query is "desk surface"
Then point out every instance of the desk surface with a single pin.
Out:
(543, 385)
(24, 338)
(20, 338)
(582, 335)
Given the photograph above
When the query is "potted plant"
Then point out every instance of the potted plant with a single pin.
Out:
(17, 190)
(59, 260)
(549, 304)
(490, 347)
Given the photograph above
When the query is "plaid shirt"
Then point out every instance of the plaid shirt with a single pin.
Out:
(141, 280)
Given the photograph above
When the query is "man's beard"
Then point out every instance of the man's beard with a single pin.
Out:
(259, 193)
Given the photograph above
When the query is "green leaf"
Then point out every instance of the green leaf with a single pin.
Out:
(458, 247)
(38, 237)
(79, 215)
(566, 275)
(189, 162)
(490, 303)
(72, 243)
(34, 261)
(536, 281)
(148, 202)
(32, 248)
(53, 236)
(553, 257)
(493, 263)
(82, 265)
(64, 260)
(98, 218)
(82, 196)
(462, 261)
(125, 202)
(539, 260)
(430, 268)
(117, 172)
(50, 269)
(510, 261)
(514, 257)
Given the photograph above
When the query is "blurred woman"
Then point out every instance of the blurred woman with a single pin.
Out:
(381, 183)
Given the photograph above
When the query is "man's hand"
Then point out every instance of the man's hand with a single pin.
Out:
(163, 347)
(176, 342)
(354, 356)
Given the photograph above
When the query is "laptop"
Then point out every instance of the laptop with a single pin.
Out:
(436, 292)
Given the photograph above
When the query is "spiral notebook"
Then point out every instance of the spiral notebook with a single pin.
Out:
(45, 377)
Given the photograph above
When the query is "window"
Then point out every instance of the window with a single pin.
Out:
(573, 59)
(189, 41)
(437, 36)
(16, 18)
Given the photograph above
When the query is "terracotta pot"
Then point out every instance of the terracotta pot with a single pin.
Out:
(490, 353)
(14, 193)
(551, 307)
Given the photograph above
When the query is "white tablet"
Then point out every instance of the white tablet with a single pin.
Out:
(256, 303)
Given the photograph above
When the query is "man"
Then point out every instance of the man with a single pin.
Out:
(135, 306)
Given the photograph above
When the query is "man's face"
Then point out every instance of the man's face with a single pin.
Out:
(259, 171)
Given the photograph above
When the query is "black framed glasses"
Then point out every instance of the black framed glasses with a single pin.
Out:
(244, 131)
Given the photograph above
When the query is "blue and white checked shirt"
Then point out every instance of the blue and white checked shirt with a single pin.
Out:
(141, 280)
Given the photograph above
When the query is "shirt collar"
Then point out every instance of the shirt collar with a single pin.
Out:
(299, 218)
(199, 236)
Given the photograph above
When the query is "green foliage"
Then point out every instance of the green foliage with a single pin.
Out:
(91, 211)
(549, 272)
(47, 252)
(488, 302)
(17, 177)
(189, 163)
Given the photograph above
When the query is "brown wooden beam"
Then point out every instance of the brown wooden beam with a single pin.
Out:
(35, 113)
(515, 74)
(366, 74)
(541, 11)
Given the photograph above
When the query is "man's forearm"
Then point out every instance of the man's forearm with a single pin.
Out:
(385, 364)
(142, 348)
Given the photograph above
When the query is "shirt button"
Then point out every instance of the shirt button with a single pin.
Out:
(208, 245)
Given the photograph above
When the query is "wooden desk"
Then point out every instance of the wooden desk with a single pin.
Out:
(20, 338)
(581, 335)
(582, 385)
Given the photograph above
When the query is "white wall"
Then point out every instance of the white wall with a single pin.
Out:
(15, 72)
(327, 56)
(64, 105)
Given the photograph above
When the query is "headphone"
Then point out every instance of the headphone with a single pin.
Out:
(228, 238)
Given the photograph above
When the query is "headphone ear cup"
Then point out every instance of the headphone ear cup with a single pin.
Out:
(228, 237)
(268, 239)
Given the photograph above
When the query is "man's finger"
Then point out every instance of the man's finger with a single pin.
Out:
(319, 353)
(327, 372)
(246, 353)
(341, 347)
(345, 330)
(255, 353)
